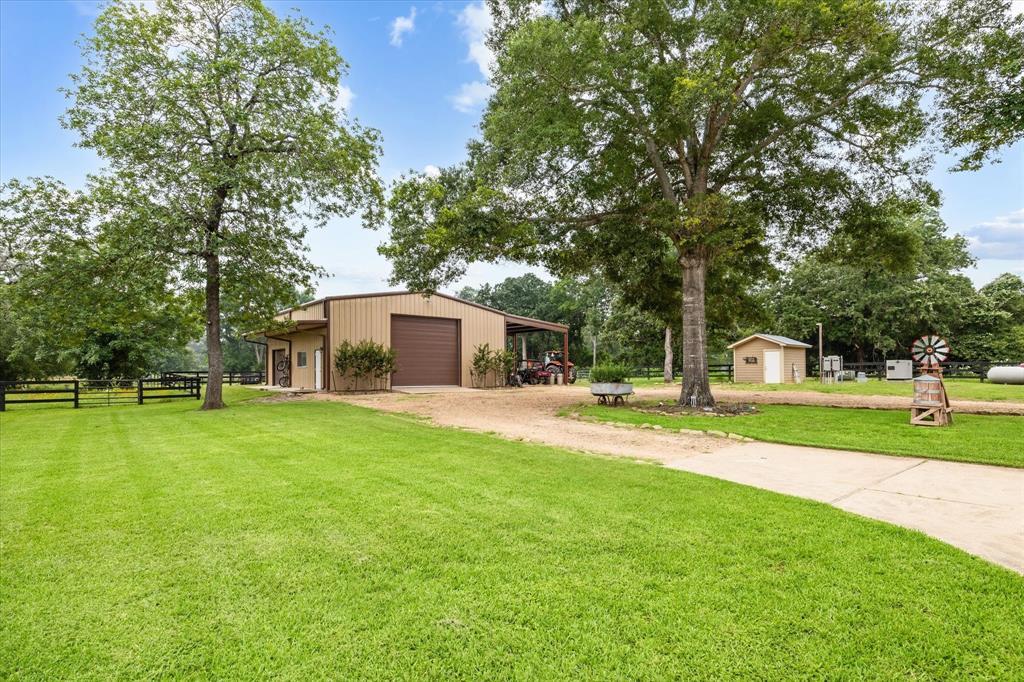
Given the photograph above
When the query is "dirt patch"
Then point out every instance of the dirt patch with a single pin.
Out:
(283, 398)
(721, 409)
(531, 415)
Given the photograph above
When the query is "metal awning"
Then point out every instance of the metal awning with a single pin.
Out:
(294, 326)
(515, 324)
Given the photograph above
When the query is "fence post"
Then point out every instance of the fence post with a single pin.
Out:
(76, 394)
(198, 392)
(3, 397)
(140, 391)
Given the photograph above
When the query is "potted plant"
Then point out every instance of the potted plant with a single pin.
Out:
(610, 380)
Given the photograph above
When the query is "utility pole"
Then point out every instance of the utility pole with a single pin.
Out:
(821, 355)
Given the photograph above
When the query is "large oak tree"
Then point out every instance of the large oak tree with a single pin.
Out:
(708, 128)
(219, 121)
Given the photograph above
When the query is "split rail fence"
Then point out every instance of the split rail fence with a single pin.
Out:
(969, 369)
(723, 371)
(98, 392)
(243, 378)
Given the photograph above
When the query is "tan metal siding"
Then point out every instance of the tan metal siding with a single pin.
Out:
(307, 342)
(754, 374)
(310, 311)
(751, 374)
(356, 319)
(794, 357)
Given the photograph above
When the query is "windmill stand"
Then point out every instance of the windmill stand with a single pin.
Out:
(931, 403)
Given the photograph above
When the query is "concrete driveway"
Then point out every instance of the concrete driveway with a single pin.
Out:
(975, 507)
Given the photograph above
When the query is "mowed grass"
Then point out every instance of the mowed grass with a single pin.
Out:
(958, 389)
(308, 540)
(979, 438)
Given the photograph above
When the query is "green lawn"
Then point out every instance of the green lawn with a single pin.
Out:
(318, 540)
(986, 439)
(958, 389)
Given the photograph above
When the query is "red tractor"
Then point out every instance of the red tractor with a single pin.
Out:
(553, 363)
(532, 372)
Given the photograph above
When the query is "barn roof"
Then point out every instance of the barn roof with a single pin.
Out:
(774, 338)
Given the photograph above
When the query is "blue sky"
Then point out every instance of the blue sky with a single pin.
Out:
(418, 74)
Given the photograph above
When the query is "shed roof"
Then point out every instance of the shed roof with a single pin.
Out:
(774, 338)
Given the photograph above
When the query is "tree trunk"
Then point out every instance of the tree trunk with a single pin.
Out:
(215, 357)
(668, 355)
(696, 389)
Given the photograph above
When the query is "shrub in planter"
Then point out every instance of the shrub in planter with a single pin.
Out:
(608, 383)
(609, 374)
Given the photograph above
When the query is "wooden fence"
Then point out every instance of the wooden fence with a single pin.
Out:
(98, 392)
(243, 378)
(723, 371)
(973, 369)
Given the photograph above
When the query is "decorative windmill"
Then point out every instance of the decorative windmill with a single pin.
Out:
(931, 404)
(931, 351)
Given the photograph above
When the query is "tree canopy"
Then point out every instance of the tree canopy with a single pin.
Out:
(219, 125)
(80, 295)
(630, 129)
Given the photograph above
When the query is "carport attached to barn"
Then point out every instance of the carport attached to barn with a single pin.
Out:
(434, 336)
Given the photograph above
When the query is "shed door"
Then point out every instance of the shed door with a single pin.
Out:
(773, 367)
(426, 350)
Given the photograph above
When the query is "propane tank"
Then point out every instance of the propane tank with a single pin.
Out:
(1006, 375)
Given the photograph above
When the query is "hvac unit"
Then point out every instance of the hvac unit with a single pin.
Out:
(899, 370)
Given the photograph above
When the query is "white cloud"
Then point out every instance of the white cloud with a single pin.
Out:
(402, 25)
(431, 171)
(471, 95)
(1002, 237)
(344, 99)
(475, 21)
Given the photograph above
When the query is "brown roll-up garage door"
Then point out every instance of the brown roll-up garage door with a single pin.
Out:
(427, 351)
